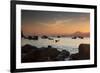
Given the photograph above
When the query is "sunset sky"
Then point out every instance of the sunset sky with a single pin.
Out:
(54, 23)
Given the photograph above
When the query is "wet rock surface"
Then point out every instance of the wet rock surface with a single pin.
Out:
(34, 54)
(84, 52)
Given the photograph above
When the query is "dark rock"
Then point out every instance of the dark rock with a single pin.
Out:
(34, 54)
(32, 37)
(58, 36)
(29, 37)
(74, 37)
(84, 52)
(50, 38)
(64, 54)
(28, 53)
(29, 57)
(28, 48)
(75, 56)
(56, 41)
(44, 37)
(49, 54)
(35, 38)
(49, 46)
(80, 37)
(22, 35)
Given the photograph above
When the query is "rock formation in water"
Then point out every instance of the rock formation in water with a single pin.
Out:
(33, 54)
(75, 37)
(50, 38)
(84, 52)
(57, 41)
(63, 55)
(44, 37)
(58, 36)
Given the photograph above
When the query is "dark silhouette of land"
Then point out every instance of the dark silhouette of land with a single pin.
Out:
(33, 54)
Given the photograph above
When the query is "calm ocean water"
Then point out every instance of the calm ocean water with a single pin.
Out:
(66, 43)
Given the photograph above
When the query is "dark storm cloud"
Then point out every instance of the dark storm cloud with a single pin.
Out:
(43, 17)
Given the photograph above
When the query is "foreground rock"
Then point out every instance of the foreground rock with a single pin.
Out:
(28, 48)
(63, 55)
(84, 52)
(34, 54)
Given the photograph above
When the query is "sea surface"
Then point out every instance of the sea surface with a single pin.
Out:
(63, 43)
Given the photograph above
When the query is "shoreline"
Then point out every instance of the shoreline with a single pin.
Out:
(33, 54)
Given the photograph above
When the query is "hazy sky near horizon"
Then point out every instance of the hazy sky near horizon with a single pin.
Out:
(54, 23)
